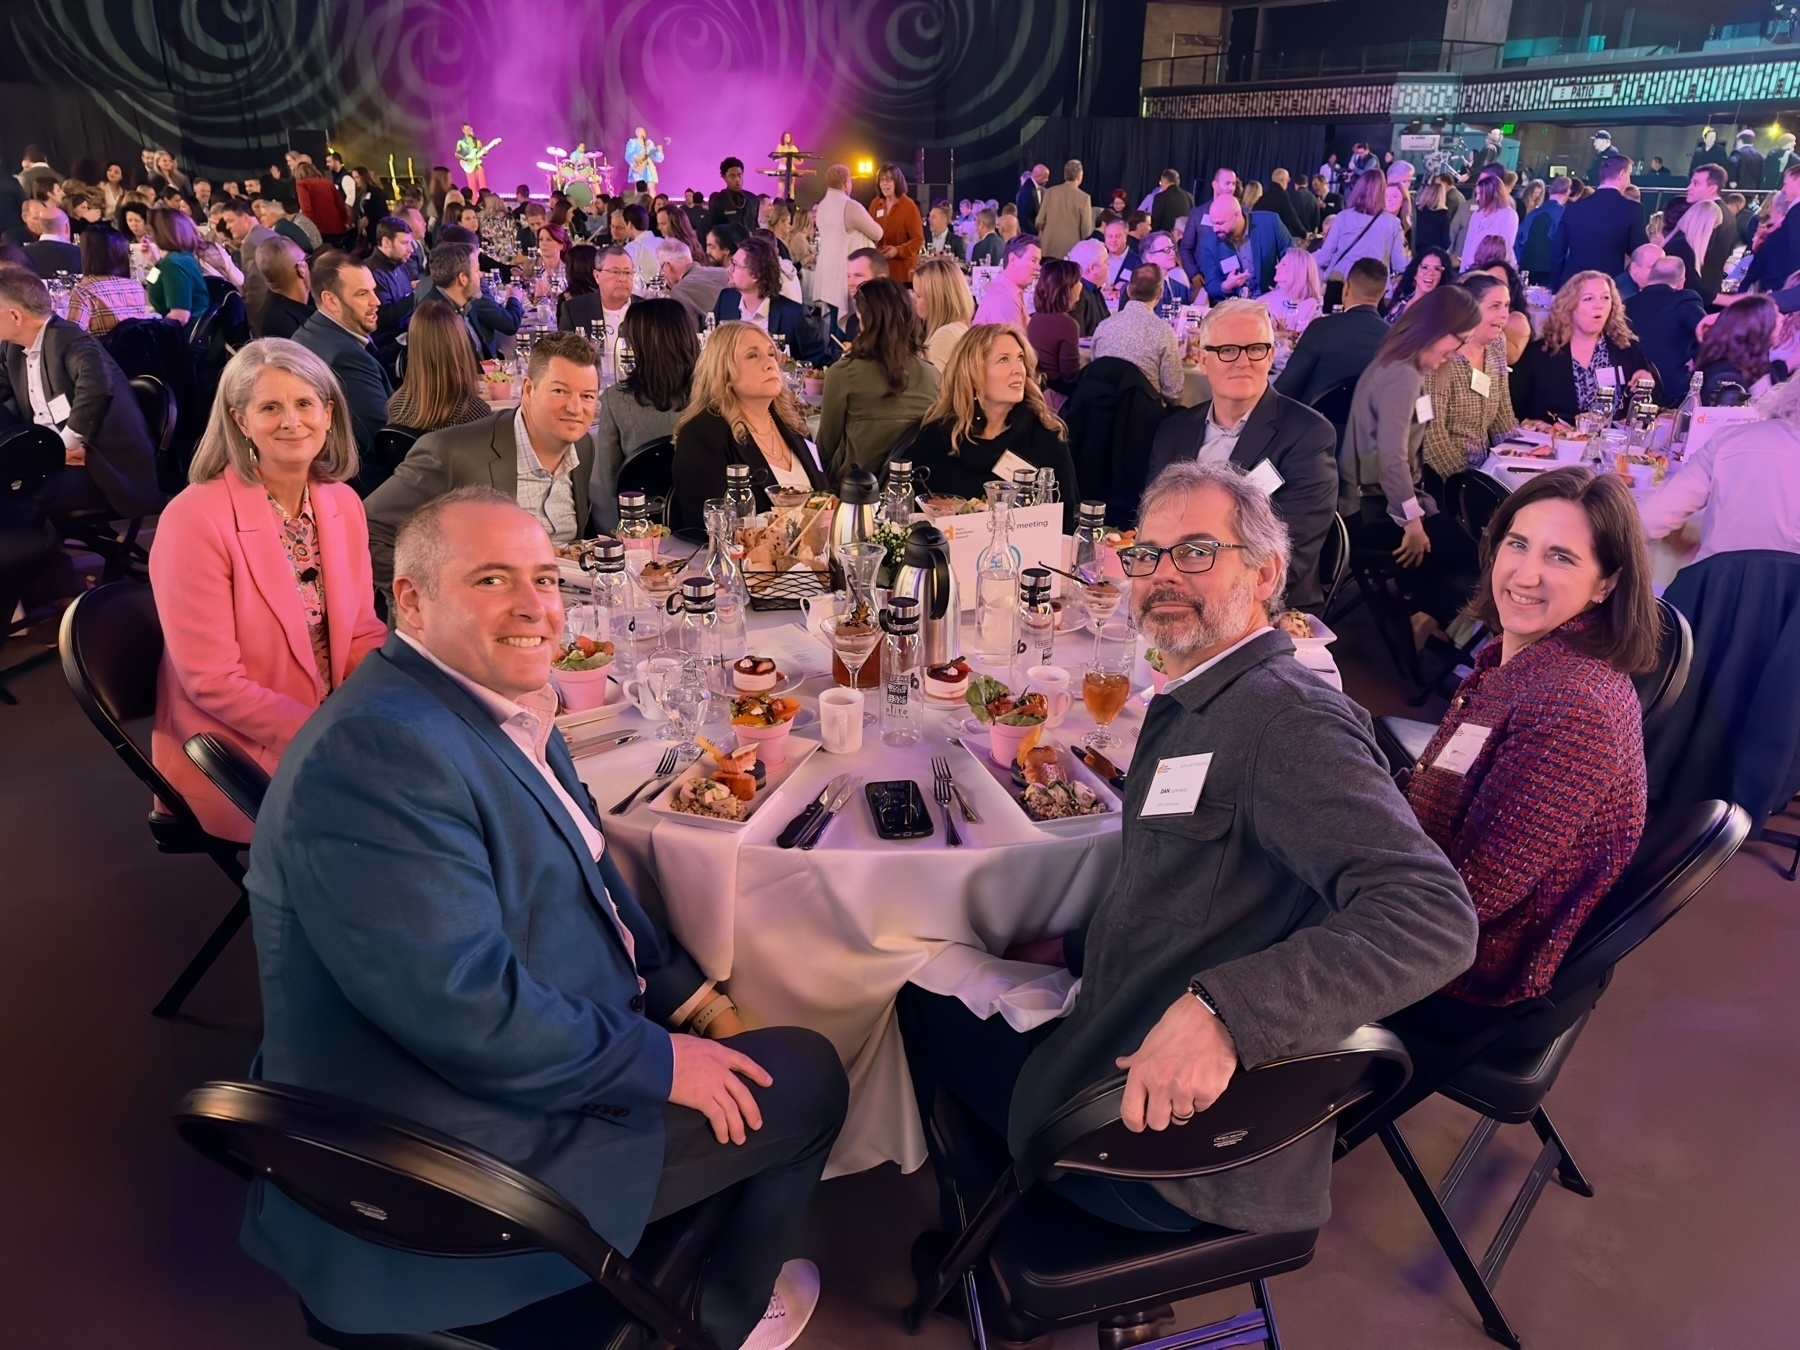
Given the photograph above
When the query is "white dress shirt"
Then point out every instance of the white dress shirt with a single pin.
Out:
(1219, 441)
(37, 392)
(1212, 661)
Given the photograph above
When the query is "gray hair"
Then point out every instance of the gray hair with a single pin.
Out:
(1071, 170)
(1085, 252)
(1253, 519)
(1779, 403)
(673, 251)
(22, 287)
(1227, 309)
(420, 548)
(224, 443)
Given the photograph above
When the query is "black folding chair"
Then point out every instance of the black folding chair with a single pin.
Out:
(28, 461)
(157, 402)
(404, 1186)
(111, 647)
(392, 445)
(1030, 1261)
(651, 471)
(1504, 1072)
(1334, 562)
(1472, 498)
(241, 779)
(1333, 404)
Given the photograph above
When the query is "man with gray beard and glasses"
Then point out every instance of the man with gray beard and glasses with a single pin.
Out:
(1275, 890)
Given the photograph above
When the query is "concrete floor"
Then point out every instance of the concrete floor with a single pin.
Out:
(1681, 1103)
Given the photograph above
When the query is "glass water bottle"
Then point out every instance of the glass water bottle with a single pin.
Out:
(997, 582)
(635, 531)
(698, 632)
(738, 491)
(898, 498)
(719, 561)
(902, 679)
(1090, 526)
(1037, 621)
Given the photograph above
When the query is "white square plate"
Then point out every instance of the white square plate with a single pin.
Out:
(800, 749)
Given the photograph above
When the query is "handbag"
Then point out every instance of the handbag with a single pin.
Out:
(1334, 279)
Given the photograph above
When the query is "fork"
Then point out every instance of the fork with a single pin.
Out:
(970, 814)
(664, 767)
(940, 788)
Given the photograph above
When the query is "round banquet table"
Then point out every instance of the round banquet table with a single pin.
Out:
(825, 939)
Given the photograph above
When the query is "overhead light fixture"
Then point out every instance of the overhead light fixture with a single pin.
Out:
(865, 168)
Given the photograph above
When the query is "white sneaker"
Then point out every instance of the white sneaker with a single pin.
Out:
(790, 1308)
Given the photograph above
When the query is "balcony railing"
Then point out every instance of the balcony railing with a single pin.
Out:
(1423, 55)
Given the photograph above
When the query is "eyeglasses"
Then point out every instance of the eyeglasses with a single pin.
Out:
(1142, 560)
(1230, 351)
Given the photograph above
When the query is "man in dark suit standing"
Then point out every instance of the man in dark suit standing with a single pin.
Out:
(1171, 203)
(730, 205)
(541, 455)
(1337, 348)
(1776, 162)
(54, 375)
(1746, 163)
(1285, 447)
(1598, 232)
(339, 335)
(51, 252)
(1778, 256)
(1030, 197)
(1664, 315)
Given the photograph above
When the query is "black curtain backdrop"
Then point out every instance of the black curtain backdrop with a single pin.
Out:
(1131, 152)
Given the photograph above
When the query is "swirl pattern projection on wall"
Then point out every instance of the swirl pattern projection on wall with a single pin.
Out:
(717, 76)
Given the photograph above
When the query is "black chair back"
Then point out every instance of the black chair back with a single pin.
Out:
(392, 445)
(157, 403)
(1334, 561)
(651, 471)
(29, 459)
(1661, 685)
(404, 1186)
(1472, 497)
(157, 347)
(1333, 405)
(112, 645)
(1261, 1111)
(243, 781)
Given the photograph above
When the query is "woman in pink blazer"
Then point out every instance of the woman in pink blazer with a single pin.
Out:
(261, 572)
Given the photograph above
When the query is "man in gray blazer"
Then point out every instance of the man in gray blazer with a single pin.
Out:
(339, 334)
(1275, 890)
(57, 376)
(541, 456)
(1067, 215)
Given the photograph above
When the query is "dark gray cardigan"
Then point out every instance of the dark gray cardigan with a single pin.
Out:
(1301, 890)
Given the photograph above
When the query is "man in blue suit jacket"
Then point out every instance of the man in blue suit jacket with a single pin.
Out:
(441, 935)
(755, 266)
(1237, 256)
(340, 334)
(1599, 232)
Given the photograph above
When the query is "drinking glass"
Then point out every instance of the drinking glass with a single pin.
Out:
(854, 643)
(861, 563)
(636, 629)
(1106, 684)
(1101, 599)
(677, 682)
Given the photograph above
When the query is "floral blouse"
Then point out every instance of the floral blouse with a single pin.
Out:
(300, 536)
(1587, 388)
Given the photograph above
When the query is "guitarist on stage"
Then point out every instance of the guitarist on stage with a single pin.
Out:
(469, 153)
(642, 155)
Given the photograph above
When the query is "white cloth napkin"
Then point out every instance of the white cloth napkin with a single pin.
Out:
(1026, 994)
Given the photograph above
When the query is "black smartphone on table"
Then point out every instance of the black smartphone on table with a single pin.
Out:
(899, 810)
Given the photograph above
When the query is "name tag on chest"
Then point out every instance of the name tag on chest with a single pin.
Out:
(1480, 383)
(1175, 786)
(1266, 477)
(1422, 409)
(59, 408)
(1458, 755)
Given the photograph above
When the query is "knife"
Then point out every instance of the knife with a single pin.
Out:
(837, 804)
(581, 749)
(1103, 766)
(797, 827)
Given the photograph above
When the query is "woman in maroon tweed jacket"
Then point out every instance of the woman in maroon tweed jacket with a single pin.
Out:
(1534, 783)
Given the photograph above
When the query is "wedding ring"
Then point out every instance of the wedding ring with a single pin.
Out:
(1181, 1120)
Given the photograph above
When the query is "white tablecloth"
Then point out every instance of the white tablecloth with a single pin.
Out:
(825, 939)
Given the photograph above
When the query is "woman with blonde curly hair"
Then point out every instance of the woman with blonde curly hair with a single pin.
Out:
(1298, 294)
(740, 412)
(990, 419)
(262, 573)
(1585, 346)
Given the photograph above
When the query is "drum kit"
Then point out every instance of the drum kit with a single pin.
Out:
(576, 174)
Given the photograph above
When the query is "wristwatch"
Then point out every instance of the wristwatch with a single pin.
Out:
(1198, 990)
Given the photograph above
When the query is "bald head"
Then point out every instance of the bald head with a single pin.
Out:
(1225, 215)
(283, 266)
(1643, 258)
(52, 223)
(1667, 271)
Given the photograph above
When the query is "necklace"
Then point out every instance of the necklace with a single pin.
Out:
(769, 440)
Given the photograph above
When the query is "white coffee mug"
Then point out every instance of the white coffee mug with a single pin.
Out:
(841, 720)
(819, 608)
(1054, 683)
(638, 691)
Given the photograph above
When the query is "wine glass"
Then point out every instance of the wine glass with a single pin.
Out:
(1101, 600)
(1106, 684)
(854, 643)
(656, 577)
(677, 681)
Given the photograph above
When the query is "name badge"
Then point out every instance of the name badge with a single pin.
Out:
(1266, 477)
(1465, 744)
(1229, 265)
(59, 407)
(1607, 377)
(1008, 464)
(1480, 383)
(1175, 786)
(153, 274)
(1422, 409)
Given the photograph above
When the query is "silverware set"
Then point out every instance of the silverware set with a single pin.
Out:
(667, 768)
(812, 833)
(941, 788)
(969, 813)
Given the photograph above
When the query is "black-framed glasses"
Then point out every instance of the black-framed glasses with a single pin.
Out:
(1142, 560)
(1230, 351)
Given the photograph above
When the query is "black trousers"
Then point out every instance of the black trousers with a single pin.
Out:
(1442, 584)
(774, 1172)
(978, 1063)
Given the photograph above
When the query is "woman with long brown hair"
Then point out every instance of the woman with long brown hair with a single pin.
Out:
(882, 385)
(740, 412)
(441, 388)
(645, 404)
(1585, 346)
(1363, 229)
(672, 223)
(1055, 334)
(1735, 350)
(990, 419)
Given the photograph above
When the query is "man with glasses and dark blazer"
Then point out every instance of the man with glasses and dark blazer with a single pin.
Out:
(1285, 447)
